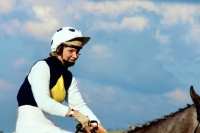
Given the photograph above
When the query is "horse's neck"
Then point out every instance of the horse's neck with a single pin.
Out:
(181, 122)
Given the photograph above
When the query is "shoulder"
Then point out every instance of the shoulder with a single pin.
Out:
(51, 60)
(40, 65)
(38, 70)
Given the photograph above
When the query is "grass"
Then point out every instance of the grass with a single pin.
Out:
(117, 131)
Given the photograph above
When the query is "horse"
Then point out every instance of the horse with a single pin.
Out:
(185, 120)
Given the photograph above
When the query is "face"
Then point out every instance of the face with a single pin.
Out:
(70, 54)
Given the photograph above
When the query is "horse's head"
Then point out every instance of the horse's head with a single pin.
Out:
(196, 99)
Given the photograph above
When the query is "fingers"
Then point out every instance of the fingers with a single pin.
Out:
(83, 119)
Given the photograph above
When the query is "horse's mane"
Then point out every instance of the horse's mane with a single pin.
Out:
(164, 117)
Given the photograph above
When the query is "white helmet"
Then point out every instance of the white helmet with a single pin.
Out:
(66, 34)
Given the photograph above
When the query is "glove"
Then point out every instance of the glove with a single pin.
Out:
(83, 119)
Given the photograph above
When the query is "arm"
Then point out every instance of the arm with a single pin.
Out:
(75, 101)
(39, 78)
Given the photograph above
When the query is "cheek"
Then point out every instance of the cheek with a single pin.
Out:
(66, 55)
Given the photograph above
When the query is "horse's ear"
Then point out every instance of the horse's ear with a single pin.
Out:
(195, 97)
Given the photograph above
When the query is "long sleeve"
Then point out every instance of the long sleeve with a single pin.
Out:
(76, 101)
(39, 78)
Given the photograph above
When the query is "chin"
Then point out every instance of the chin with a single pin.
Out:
(69, 64)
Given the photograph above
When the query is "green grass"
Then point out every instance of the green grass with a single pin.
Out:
(118, 131)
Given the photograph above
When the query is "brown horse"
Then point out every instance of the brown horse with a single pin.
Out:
(185, 120)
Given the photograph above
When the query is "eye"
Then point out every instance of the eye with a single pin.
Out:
(71, 51)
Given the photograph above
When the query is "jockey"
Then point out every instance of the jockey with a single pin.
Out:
(49, 83)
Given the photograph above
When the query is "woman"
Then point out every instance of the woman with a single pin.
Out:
(49, 83)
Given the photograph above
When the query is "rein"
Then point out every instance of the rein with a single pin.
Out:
(91, 129)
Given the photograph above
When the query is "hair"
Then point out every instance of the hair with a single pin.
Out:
(58, 51)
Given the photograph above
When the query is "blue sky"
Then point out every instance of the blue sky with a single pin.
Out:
(139, 64)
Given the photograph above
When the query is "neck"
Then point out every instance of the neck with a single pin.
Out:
(61, 59)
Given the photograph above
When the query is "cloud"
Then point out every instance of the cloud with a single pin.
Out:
(133, 23)
(173, 14)
(6, 5)
(46, 22)
(194, 33)
(4, 87)
(42, 19)
(101, 51)
(11, 27)
(106, 93)
(86, 97)
(112, 8)
(161, 38)
(177, 96)
(163, 57)
(18, 63)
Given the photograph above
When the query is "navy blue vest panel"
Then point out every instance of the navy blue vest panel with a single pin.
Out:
(25, 95)
(57, 71)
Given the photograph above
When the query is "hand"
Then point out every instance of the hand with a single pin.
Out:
(83, 119)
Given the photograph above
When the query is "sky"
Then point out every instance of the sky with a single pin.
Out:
(142, 58)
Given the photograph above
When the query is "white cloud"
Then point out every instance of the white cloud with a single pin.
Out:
(134, 108)
(163, 57)
(192, 38)
(106, 92)
(4, 85)
(101, 51)
(195, 33)
(6, 5)
(11, 27)
(112, 8)
(149, 6)
(86, 97)
(18, 63)
(174, 14)
(161, 38)
(133, 23)
(177, 95)
(46, 24)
